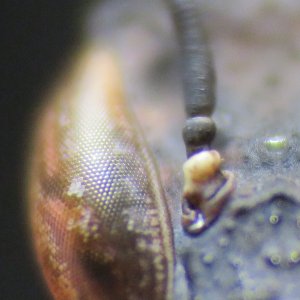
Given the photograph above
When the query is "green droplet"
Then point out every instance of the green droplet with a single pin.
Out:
(295, 256)
(208, 259)
(274, 219)
(276, 143)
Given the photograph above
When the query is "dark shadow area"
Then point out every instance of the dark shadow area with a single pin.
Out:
(37, 37)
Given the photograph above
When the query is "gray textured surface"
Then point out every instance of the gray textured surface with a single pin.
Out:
(252, 250)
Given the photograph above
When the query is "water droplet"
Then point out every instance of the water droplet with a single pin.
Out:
(295, 257)
(274, 219)
(276, 143)
(208, 259)
(273, 259)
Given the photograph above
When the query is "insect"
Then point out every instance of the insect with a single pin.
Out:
(251, 250)
(99, 216)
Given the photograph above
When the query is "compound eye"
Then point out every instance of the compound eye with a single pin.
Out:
(99, 218)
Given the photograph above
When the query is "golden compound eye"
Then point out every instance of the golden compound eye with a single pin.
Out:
(99, 218)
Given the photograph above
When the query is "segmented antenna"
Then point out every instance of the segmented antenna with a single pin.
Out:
(206, 187)
(198, 76)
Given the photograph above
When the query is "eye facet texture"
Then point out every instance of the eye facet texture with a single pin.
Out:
(98, 213)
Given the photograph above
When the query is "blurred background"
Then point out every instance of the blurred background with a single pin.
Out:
(256, 46)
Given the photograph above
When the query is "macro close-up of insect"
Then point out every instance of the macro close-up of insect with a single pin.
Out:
(164, 155)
